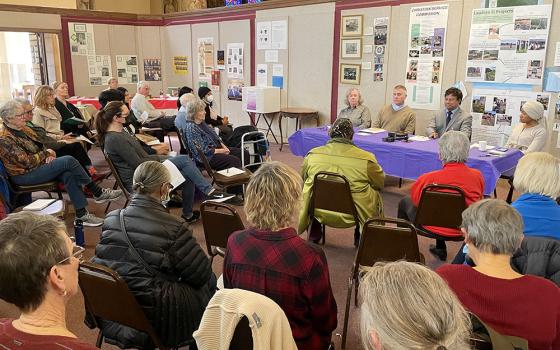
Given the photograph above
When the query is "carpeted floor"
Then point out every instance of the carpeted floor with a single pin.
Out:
(339, 250)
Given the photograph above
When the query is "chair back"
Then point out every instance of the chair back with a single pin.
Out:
(441, 205)
(118, 179)
(219, 220)
(205, 163)
(331, 191)
(107, 296)
(183, 142)
(242, 337)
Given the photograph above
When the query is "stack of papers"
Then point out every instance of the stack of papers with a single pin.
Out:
(46, 207)
(372, 130)
(231, 172)
(418, 138)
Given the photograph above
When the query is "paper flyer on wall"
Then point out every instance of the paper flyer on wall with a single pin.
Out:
(279, 35)
(263, 35)
(205, 47)
(99, 69)
(262, 75)
(180, 65)
(234, 60)
(508, 44)
(127, 69)
(152, 69)
(81, 38)
(426, 45)
(496, 112)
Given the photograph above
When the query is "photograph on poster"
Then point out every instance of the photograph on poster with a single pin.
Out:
(436, 65)
(414, 42)
(474, 72)
(544, 99)
(534, 69)
(490, 73)
(378, 77)
(508, 45)
(437, 53)
(426, 50)
(350, 73)
(380, 37)
(352, 48)
(539, 23)
(537, 44)
(490, 55)
(494, 32)
(478, 104)
(435, 78)
(503, 119)
(475, 55)
(352, 25)
(235, 89)
(438, 37)
(488, 119)
(413, 53)
(522, 24)
(378, 59)
(379, 68)
(499, 105)
(411, 76)
(521, 46)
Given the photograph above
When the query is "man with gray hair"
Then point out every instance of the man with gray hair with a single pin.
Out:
(454, 149)
(155, 118)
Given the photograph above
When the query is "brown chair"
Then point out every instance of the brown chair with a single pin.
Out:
(118, 182)
(331, 191)
(383, 239)
(218, 221)
(222, 180)
(107, 297)
(242, 337)
(441, 206)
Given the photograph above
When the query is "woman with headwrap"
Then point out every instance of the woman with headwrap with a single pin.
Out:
(365, 175)
(530, 134)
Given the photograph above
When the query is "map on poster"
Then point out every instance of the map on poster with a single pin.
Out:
(426, 45)
(127, 69)
(81, 38)
(508, 44)
(496, 112)
(99, 69)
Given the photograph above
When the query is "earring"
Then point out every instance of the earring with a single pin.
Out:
(65, 293)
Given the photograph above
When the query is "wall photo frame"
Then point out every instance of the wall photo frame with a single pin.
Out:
(350, 73)
(352, 25)
(351, 48)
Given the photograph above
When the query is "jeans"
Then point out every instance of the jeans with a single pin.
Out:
(193, 178)
(65, 169)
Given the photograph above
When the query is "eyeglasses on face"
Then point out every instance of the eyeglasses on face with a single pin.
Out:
(77, 252)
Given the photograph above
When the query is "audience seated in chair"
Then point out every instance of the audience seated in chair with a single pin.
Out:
(537, 177)
(408, 306)
(365, 175)
(181, 119)
(127, 154)
(211, 117)
(68, 111)
(271, 259)
(454, 149)
(40, 289)
(511, 303)
(177, 283)
(29, 162)
(156, 119)
(45, 114)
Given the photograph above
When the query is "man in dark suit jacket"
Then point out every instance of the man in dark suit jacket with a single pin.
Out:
(451, 118)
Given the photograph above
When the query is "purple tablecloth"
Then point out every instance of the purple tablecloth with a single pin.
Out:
(409, 160)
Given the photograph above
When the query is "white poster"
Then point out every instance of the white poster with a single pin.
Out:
(426, 44)
(278, 70)
(81, 38)
(262, 75)
(279, 35)
(127, 69)
(234, 60)
(263, 35)
(99, 69)
(496, 112)
(205, 47)
(271, 56)
(508, 44)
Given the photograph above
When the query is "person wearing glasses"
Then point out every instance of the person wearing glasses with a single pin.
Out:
(178, 281)
(41, 290)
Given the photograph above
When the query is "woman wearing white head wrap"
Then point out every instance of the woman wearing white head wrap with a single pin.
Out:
(530, 134)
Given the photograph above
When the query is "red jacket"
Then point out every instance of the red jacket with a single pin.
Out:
(456, 174)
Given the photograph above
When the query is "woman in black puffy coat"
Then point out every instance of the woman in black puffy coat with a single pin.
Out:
(174, 282)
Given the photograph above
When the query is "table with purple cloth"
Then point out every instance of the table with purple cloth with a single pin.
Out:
(409, 160)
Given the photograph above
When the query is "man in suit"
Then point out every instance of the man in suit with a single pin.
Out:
(451, 118)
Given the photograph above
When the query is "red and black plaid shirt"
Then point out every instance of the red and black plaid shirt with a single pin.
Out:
(290, 271)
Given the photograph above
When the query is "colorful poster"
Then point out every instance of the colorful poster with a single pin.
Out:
(508, 44)
(127, 69)
(235, 60)
(235, 89)
(152, 69)
(81, 39)
(205, 56)
(221, 60)
(99, 69)
(426, 45)
(180, 65)
(496, 112)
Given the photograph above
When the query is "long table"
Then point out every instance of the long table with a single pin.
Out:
(409, 160)
(158, 103)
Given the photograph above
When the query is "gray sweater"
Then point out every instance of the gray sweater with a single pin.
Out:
(126, 153)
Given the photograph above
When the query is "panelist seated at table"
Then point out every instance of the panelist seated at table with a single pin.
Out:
(68, 111)
(366, 178)
(454, 149)
(356, 111)
(156, 119)
(211, 117)
(396, 117)
(530, 134)
(452, 117)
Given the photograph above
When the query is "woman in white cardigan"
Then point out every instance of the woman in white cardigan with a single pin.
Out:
(530, 134)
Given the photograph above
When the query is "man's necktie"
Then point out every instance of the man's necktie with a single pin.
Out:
(448, 119)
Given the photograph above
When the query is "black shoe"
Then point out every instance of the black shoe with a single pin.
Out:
(439, 252)
(194, 217)
(216, 194)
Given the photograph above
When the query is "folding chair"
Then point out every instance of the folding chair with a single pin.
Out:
(258, 147)
(222, 180)
(380, 242)
(118, 181)
(331, 191)
(218, 221)
(107, 297)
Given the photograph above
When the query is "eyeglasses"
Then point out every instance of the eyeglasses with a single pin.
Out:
(21, 115)
(77, 252)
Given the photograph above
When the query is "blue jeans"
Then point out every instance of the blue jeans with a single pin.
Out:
(193, 178)
(65, 169)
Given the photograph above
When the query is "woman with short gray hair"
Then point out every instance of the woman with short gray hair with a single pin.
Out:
(355, 110)
(511, 303)
(174, 303)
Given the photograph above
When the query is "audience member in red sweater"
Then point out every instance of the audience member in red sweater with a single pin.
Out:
(454, 149)
(512, 304)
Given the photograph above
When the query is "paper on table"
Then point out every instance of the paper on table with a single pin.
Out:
(153, 143)
(176, 177)
(231, 172)
(85, 139)
(39, 204)
(488, 147)
(55, 208)
(372, 130)
(418, 138)
(220, 200)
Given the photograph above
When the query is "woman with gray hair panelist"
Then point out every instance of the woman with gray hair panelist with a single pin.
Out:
(356, 111)
(511, 303)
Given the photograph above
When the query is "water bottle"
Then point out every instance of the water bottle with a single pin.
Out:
(79, 233)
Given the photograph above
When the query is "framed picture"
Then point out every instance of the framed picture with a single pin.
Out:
(350, 73)
(352, 25)
(351, 48)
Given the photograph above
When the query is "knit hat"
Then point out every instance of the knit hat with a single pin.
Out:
(343, 128)
(203, 91)
(534, 109)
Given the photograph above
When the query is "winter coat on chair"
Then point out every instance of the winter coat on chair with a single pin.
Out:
(539, 256)
(175, 299)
